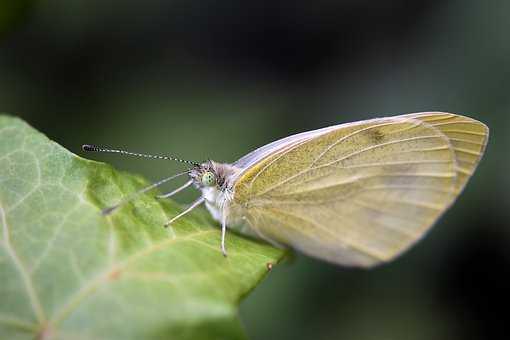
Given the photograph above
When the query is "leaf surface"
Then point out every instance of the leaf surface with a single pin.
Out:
(67, 272)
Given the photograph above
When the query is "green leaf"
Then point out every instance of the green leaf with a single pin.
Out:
(67, 272)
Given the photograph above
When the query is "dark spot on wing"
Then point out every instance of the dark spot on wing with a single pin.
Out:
(375, 136)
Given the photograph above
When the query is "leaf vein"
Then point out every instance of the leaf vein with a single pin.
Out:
(25, 276)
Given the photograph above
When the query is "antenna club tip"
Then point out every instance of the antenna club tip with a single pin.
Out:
(89, 147)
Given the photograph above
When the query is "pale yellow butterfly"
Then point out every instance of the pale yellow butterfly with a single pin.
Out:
(354, 194)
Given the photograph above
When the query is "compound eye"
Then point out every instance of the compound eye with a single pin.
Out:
(208, 179)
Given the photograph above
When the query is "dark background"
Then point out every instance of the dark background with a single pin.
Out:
(215, 79)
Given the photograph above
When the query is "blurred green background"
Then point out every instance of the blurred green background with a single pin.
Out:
(216, 79)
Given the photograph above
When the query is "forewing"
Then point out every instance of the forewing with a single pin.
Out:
(357, 195)
(278, 146)
(467, 136)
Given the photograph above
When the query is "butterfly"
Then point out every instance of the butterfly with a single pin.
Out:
(354, 194)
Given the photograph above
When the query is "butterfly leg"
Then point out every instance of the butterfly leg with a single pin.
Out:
(223, 232)
(132, 196)
(179, 189)
(191, 207)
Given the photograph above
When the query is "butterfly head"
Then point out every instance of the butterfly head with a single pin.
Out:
(213, 175)
(206, 175)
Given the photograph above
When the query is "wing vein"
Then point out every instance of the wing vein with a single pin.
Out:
(457, 122)
(393, 163)
(466, 141)
(356, 179)
(344, 158)
(352, 134)
(337, 199)
(475, 133)
(469, 152)
(333, 235)
(387, 212)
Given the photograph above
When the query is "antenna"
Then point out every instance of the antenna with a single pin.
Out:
(93, 148)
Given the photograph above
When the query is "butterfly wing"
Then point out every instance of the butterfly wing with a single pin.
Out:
(467, 136)
(277, 146)
(361, 193)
